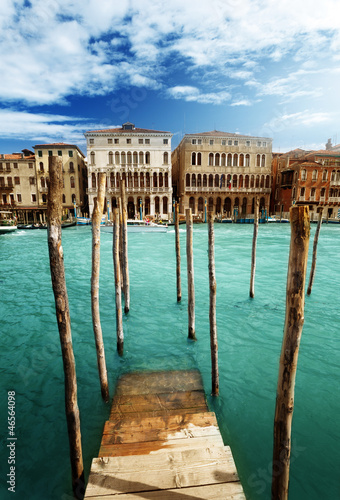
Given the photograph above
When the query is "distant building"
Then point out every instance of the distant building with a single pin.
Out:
(313, 180)
(141, 157)
(223, 170)
(74, 175)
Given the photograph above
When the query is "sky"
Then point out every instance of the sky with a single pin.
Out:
(255, 67)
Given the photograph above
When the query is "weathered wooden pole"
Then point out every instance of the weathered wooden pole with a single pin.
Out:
(118, 288)
(212, 307)
(97, 329)
(178, 254)
(315, 246)
(295, 298)
(190, 271)
(125, 259)
(54, 211)
(253, 253)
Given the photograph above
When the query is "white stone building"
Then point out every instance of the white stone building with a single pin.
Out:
(140, 156)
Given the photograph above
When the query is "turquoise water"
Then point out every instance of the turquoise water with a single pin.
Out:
(249, 334)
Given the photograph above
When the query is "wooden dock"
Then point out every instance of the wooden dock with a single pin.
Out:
(161, 442)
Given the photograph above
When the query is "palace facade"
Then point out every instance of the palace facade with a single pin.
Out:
(223, 171)
(141, 157)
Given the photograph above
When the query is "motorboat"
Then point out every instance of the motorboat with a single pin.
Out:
(7, 224)
(138, 226)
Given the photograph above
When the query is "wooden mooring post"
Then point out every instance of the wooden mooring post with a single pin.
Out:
(190, 272)
(97, 329)
(212, 307)
(295, 298)
(178, 254)
(125, 259)
(54, 211)
(118, 287)
(253, 253)
(315, 247)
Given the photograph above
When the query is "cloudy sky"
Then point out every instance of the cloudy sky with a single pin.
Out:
(257, 67)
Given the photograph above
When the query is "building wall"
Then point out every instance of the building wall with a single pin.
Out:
(226, 171)
(143, 159)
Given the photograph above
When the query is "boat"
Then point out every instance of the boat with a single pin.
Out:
(83, 221)
(7, 224)
(44, 226)
(138, 226)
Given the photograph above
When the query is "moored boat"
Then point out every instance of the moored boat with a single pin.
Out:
(7, 224)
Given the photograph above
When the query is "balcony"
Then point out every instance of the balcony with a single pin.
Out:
(6, 187)
(43, 190)
(224, 190)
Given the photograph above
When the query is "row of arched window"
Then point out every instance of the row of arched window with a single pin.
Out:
(335, 175)
(129, 158)
(227, 181)
(228, 160)
(135, 180)
(224, 206)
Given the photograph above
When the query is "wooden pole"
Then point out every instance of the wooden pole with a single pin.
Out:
(125, 260)
(295, 298)
(178, 254)
(97, 329)
(190, 271)
(212, 307)
(118, 288)
(315, 245)
(253, 253)
(54, 211)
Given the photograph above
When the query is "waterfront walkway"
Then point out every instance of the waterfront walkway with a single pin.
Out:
(161, 442)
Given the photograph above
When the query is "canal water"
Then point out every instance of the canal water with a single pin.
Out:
(249, 335)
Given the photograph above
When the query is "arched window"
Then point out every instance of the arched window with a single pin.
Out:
(110, 158)
(129, 158)
(71, 166)
(123, 158)
(314, 175)
(223, 160)
(252, 182)
(117, 159)
(257, 181)
(227, 205)
(112, 180)
(165, 158)
(217, 159)
(262, 181)
(211, 180)
(187, 180)
(247, 161)
(193, 180)
(241, 160)
(192, 203)
(64, 198)
(42, 182)
(166, 179)
(165, 205)
(216, 180)
(93, 179)
(244, 206)
(324, 175)
(141, 179)
(333, 175)
(240, 181)
(41, 166)
(246, 181)
(93, 158)
(157, 204)
(229, 160)
(147, 158)
(235, 160)
(204, 180)
(236, 202)
(234, 181)
(73, 198)
(135, 157)
(267, 181)
(222, 182)
(155, 178)
(141, 157)
(263, 161)
(199, 180)
(303, 174)
(218, 205)
(258, 160)
(135, 180)
(160, 178)
(211, 159)
(193, 158)
(72, 182)
(117, 180)
(200, 204)
(199, 159)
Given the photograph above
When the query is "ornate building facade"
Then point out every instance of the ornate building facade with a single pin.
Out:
(224, 171)
(141, 157)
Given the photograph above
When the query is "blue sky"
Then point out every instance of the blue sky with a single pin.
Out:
(257, 67)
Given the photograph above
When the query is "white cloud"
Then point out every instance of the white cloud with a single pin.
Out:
(52, 49)
(193, 94)
(43, 127)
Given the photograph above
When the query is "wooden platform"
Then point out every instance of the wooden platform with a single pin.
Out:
(161, 442)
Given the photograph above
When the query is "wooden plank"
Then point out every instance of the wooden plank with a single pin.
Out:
(159, 428)
(221, 491)
(159, 402)
(159, 382)
(144, 448)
